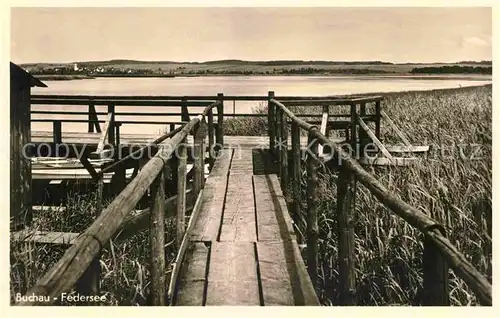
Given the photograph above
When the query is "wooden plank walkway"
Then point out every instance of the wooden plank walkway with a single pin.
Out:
(242, 249)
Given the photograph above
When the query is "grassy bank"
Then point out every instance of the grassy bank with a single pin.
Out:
(455, 189)
(453, 184)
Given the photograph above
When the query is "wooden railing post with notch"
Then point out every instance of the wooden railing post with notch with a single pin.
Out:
(211, 136)
(435, 268)
(220, 121)
(284, 154)
(271, 121)
(295, 180)
(181, 190)
(199, 158)
(157, 240)
(279, 137)
(57, 134)
(312, 200)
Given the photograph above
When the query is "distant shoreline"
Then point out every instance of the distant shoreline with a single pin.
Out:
(465, 76)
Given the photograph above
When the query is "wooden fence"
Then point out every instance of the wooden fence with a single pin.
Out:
(439, 253)
(76, 265)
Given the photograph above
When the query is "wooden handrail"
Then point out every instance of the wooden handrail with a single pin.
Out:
(418, 219)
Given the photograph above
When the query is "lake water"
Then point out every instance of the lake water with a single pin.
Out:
(232, 85)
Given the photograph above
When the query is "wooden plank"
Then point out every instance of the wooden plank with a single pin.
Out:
(43, 237)
(273, 220)
(274, 276)
(176, 266)
(238, 222)
(212, 202)
(395, 161)
(232, 277)
(377, 142)
(406, 149)
(192, 279)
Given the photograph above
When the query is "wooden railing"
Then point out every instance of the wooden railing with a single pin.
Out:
(76, 265)
(439, 253)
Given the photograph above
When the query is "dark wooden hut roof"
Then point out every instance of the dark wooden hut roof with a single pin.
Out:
(23, 77)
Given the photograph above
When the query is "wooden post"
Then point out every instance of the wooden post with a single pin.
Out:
(346, 200)
(211, 137)
(312, 218)
(363, 136)
(354, 135)
(220, 119)
(435, 268)
(91, 116)
(199, 159)
(181, 190)
(174, 168)
(90, 281)
(277, 146)
(284, 154)
(377, 119)
(184, 110)
(157, 240)
(271, 121)
(172, 127)
(57, 132)
(296, 156)
(117, 137)
(111, 132)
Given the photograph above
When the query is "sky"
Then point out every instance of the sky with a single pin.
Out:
(397, 35)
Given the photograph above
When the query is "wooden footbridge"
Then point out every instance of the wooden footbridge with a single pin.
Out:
(243, 235)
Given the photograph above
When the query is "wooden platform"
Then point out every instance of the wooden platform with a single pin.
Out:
(241, 249)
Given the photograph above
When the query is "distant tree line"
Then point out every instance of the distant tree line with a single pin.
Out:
(455, 69)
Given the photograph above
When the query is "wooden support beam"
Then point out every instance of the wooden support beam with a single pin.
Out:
(378, 111)
(220, 121)
(181, 189)
(323, 127)
(284, 154)
(396, 129)
(377, 142)
(199, 157)
(157, 241)
(312, 217)
(271, 121)
(99, 153)
(296, 172)
(57, 129)
(111, 124)
(211, 138)
(279, 139)
(87, 165)
(346, 206)
(184, 111)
